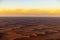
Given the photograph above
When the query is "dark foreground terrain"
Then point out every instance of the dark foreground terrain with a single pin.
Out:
(29, 28)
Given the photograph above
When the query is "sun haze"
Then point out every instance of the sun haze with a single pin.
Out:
(30, 8)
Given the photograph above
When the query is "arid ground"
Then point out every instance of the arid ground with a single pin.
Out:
(29, 28)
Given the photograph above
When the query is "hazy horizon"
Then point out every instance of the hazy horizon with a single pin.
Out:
(34, 8)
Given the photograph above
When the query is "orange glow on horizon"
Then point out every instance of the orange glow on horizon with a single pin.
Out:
(30, 12)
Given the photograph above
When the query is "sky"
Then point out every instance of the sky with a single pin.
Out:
(49, 4)
(53, 7)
